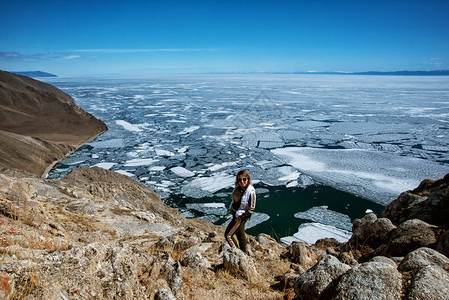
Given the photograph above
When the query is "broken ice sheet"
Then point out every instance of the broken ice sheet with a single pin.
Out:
(374, 175)
(312, 232)
(324, 215)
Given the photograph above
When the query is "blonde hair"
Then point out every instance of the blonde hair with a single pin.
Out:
(244, 173)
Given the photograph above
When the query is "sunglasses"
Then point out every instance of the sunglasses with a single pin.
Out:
(242, 179)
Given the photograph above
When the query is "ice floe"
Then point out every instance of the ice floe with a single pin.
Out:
(183, 172)
(161, 152)
(324, 215)
(202, 186)
(129, 126)
(140, 162)
(312, 232)
(214, 208)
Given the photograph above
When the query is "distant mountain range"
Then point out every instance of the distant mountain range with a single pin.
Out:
(392, 73)
(35, 74)
(399, 73)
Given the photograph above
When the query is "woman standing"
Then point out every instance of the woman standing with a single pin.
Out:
(242, 206)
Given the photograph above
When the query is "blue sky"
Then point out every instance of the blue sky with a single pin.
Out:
(79, 38)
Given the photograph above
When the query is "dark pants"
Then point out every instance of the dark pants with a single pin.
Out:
(235, 232)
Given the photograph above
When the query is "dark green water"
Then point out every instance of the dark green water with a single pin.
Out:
(281, 203)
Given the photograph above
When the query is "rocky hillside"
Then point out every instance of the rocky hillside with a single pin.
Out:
(40, 124)
(97, 234)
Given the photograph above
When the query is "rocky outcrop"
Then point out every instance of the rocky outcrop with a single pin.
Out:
(429, 202)
(40, 124)
(399, 258)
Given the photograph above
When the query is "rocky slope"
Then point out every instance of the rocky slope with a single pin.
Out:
(40, 124)
(97, 234)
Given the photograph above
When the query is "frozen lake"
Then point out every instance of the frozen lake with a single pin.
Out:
(333, 144)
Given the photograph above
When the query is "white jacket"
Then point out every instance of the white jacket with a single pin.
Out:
(248, 202)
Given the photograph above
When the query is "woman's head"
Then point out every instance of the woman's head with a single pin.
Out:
(242, 179)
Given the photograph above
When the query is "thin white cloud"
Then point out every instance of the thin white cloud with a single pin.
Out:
(108, 50)
(71, 57)
(35, 57)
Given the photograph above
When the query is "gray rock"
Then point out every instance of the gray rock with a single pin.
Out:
(314, 281)
(430, 276)
(430, 282)
(423, 257)
(384, 260)
(411, 235)
(195, 260)
(237, 262)
(372, 280)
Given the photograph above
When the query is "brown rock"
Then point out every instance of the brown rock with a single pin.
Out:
(370, 231)
(429, 202)
(411, 235)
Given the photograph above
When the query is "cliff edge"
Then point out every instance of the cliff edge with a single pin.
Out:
(40, 124)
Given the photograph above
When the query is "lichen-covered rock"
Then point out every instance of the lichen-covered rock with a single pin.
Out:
(430, 274)
(429, 282)
(411, 235)
(423, 257)
(370, 231)
(314, 281)
(237, 262)
(371, 280)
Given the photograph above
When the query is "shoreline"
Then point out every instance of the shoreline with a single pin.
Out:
(50, 167)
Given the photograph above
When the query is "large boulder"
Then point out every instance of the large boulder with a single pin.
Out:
(411, 235)
(428, 202)
(371, 231)
(371, 280)
(429, 271)
(314, 281)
